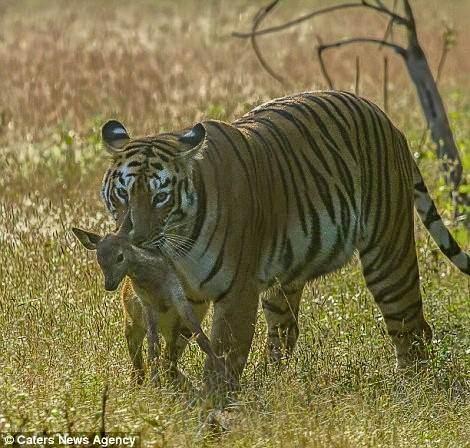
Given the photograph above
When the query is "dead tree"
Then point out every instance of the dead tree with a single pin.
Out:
(413, 56)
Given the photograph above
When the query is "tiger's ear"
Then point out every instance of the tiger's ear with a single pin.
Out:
(114, 136)
(196, 139)
(88, 239)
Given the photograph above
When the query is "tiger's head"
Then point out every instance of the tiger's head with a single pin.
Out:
(151, 177)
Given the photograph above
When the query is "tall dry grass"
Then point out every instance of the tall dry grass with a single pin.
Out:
(163, 64)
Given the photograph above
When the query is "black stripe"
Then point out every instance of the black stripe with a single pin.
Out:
(453, 249)
(156, 165)
(165, 183)
(178, 211)
(201, 207)
(318, 179)
(165, 148)
(380, 194)
(399, 316)
(218, 208)
(401, 287)
(432, 215)
(218, 262)
(389, 261)
(340, 113)
(129, 153)
(310, 140)
(136, 144)
(314, 247)
(283, 144)
(162, 156)
(343, 170)
(345, 134)
(223, 294)
(366, 160)
(421, 187)
(278, 164)
(345, 213)
(248, 176)
(288, 256)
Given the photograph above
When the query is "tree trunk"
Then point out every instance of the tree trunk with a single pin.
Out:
(434, 111)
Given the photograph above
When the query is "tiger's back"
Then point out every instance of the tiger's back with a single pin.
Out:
(324, 175)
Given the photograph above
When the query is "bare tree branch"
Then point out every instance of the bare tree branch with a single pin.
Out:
(442, 61)
(357, 81)
(259, 17)
(384, 10)
(363, 4)
(397, 48)
(412, 34)
(323, 65)
(385, 84)
(448, 42)
(389, 30)
(413, 56)
(323, 47)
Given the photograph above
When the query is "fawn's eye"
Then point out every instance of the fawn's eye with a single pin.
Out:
(120, 258)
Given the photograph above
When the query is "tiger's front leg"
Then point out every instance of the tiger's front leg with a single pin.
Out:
(232, 332)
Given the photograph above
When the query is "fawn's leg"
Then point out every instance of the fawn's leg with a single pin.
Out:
(151, 316)
(135, 333)
(178, 338)
(135, 329)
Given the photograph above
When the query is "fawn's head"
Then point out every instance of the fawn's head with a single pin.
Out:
(112, 252)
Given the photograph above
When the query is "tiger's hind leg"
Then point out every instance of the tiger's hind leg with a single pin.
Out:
(392, 275)
(281, 309)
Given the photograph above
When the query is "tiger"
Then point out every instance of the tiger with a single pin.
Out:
(289, 192)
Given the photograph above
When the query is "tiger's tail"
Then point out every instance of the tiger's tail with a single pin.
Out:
(433, 222)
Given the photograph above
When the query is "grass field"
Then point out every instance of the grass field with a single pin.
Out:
(65, 67)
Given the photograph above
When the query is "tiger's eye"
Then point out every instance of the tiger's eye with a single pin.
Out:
(160, 197)
(122, 192)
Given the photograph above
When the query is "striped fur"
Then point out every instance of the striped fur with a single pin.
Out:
(287, 193)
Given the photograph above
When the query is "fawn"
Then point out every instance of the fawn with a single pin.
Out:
(152, 298)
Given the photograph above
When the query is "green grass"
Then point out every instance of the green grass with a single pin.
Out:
(61, 334)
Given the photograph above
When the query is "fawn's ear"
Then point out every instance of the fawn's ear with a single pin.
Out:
(88, 239)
